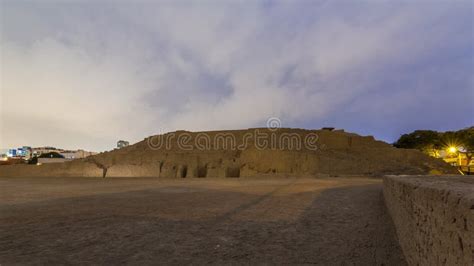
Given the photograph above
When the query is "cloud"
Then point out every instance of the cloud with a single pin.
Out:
(91, 73)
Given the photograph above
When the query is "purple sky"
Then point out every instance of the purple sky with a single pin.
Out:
(84, 74)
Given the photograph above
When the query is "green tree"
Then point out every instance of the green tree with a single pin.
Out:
(429, 140)
(419, 139)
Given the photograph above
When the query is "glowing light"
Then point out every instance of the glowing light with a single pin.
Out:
(452, 149)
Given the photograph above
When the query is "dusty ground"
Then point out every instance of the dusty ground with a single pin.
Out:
(143, 221)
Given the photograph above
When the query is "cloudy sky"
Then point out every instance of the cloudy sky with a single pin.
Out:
(84, 74)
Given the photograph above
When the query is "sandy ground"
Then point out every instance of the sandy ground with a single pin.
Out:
(336, 221)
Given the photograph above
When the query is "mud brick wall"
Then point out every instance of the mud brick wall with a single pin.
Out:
(434, 218)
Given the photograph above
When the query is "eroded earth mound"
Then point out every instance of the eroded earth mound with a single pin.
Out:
(246, 153)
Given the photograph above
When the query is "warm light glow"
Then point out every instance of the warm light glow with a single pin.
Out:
(452, 149)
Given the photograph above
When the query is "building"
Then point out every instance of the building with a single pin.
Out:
(77, 154)
(26, 153)
(23, 152)
(11, 153)
(122, 144)
(68, 154)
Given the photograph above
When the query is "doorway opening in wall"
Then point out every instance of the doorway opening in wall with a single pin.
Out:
(232, 172)
(201, 171)
(184, 171)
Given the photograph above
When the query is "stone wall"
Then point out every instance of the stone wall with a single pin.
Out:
(67, 169)
(434, 218)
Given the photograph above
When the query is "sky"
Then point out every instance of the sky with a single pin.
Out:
(85, 74)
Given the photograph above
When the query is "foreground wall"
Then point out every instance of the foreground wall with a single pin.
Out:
(434, 218)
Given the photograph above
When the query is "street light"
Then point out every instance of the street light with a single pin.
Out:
(452, 149)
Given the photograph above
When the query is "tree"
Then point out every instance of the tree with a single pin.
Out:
(51, 155)
(466, 139)
(33, 160)
(419, 139)
(429, 140)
